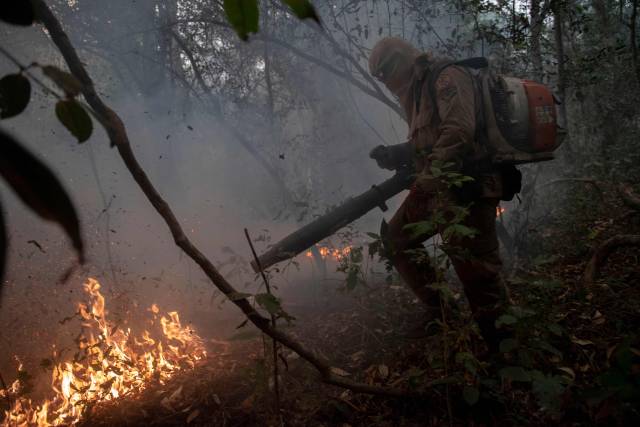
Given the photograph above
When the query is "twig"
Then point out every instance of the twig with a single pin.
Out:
(276, 382)
(601, 254)
(119, 138)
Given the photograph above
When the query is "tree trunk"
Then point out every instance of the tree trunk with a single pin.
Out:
(633, 41)
(536, 18)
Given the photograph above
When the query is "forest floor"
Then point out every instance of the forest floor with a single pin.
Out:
(573, 357)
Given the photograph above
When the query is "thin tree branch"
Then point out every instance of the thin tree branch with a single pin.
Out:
(118, 136)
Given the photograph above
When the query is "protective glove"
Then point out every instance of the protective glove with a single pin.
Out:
(392, 157)
(382, 155)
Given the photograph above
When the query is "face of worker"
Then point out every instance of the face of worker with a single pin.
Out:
(395, 72)
(392, 62)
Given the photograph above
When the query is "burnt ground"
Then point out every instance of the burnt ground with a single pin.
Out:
(573, 356)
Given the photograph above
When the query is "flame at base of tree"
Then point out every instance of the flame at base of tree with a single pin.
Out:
(111, 362)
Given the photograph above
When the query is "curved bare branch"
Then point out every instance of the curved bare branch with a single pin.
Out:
(117, 134)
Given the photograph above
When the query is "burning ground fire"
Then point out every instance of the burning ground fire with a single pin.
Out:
(338, 254)
(110, 363)
(330, 253)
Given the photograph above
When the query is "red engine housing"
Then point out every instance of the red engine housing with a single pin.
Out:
(542, 117)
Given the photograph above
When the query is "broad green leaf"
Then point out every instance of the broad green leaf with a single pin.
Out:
(75, 119)
(515, 374)
(548, 390)
(555, 329)
(303, 9)
(421, 228)
(15, 92)
(243, 16)
(268, 302)
(544, 345)
(468, 361)
(352, 279)
(17, 12)
(544, 259)
(508, 345)
(506, 319)
(568, 371)
(521, 312)
(65, 81)
(39, 188)
(355, 255)
(470, 395)
(459, 230)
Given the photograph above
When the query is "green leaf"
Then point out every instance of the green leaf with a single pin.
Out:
(515, 374)
(243, 16)
(544, 345)
(544, 259)
(15, 92)
(506, 319)
(236, 296)
(459, 230)
(355, 255)
(75, 119)
(508, 345)
(470, 395)
(374, 236)
(468, 360)
(268, 302)
(65, 81)
(17, 12)
(555, 329)
(352, 279)
(548, 390)
(303, 9)
(39, 188)
(421, 228)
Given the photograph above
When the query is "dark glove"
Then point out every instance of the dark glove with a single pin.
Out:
(392, 157)
(382, 156)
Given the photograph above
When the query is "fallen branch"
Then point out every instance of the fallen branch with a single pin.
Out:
(601, 254)
(117, 134)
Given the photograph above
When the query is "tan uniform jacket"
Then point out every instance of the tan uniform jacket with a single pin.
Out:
(451, 137)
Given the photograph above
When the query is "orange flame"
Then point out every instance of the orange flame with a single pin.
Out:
(499, 211)
(326, 252)
(110, 363)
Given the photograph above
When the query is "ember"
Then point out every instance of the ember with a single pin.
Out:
(111, 362)
(499, 211)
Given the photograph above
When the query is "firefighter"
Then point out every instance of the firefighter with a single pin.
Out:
(447, 133)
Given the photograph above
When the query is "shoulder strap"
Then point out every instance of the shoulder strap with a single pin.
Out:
(475, 63)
